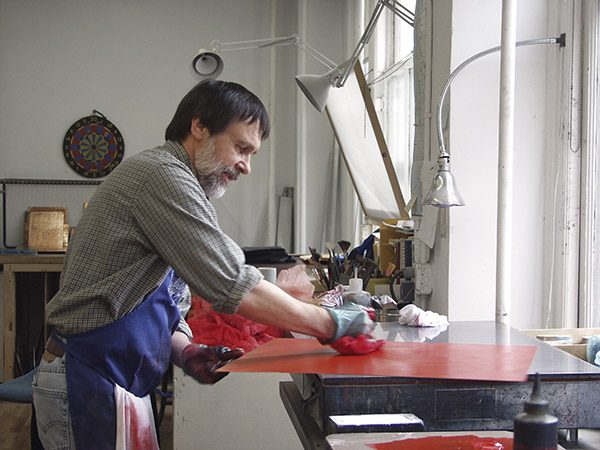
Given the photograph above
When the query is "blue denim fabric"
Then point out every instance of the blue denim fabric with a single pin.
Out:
(51, 404)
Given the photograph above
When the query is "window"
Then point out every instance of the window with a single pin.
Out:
(388, 66)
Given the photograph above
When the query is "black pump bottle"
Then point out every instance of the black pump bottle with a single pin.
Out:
(535, 429)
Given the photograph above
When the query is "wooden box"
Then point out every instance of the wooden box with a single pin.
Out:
(47, 229)
(571, 340)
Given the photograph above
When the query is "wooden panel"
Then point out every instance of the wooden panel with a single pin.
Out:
(38, 294)
(9, 323)
(358, 132)
(32, 259)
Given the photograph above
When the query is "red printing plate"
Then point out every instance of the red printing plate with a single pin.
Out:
(397, 359)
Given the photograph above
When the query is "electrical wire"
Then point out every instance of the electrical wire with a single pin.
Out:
(392, 70)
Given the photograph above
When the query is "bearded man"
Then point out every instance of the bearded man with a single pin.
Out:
(148, 236)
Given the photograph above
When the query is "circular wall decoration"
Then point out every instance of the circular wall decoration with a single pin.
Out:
(93, 146)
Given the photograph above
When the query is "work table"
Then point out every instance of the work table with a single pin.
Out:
(568, 383)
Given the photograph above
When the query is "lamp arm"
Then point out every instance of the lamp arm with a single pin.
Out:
(315, 54)
(398, 9)
(364, 39)
(443, 153)
(401, 11)
(218, 46)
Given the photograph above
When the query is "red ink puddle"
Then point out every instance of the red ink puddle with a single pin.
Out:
(466, 442)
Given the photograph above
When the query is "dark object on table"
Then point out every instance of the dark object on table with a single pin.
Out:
(266, 255)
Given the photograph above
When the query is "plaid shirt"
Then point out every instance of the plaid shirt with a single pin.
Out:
(149, 215)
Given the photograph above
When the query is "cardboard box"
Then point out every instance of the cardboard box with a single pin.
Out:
(390, 236)
(554, 336)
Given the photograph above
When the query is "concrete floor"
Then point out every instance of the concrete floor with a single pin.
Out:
(15, 433)
(15, 423)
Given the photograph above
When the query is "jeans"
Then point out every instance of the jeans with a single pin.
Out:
(51, 403)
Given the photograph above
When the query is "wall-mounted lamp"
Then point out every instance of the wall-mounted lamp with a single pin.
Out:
(208, 63)
(443, 192)
(317, 87)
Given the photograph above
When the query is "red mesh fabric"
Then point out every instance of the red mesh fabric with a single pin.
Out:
(230, 330)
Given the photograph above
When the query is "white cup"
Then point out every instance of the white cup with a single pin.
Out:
(270, 273)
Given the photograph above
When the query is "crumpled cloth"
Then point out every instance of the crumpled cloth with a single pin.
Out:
(414, 316)
(333, 298)
(359, 345)
(135, 421)
(229, 330)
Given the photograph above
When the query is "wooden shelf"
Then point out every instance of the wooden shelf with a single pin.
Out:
(30, 281)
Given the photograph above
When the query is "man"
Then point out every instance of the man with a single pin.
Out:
(147, 234)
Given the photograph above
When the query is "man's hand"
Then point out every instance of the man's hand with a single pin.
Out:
(201, 361)
(350, 320)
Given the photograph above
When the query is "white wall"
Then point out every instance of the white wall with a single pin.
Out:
(130, 60)
(468, 233)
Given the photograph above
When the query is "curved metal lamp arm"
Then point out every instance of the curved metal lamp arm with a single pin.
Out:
(443, 153)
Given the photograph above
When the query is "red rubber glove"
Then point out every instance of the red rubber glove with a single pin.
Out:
(201, 361)
(360, 345)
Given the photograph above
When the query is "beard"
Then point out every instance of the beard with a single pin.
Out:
(212, 174)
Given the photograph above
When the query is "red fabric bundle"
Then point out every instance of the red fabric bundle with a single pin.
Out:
(230, 330)
(360, 345)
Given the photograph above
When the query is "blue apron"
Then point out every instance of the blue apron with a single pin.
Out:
(133, 352)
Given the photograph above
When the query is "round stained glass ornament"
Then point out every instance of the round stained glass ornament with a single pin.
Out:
(93, 146)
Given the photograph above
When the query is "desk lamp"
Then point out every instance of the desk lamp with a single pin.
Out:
(208, 63)
(317, 87)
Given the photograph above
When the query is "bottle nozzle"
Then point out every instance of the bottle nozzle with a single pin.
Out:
(536, 404)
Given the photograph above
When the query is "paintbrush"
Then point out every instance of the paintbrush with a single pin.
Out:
(345, 246)
(315, 260)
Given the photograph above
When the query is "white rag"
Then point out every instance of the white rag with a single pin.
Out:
(135, 422)
(413, 316)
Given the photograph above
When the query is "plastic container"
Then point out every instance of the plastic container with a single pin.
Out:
(593, 349)
(355, 294)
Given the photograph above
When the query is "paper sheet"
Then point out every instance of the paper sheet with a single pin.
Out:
(398, 359)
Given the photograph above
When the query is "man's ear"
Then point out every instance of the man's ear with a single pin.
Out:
(198, 130)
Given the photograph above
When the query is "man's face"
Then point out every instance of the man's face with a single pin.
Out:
(220, 159)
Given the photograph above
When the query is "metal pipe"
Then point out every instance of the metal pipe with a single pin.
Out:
(6, 181)
(505, 161)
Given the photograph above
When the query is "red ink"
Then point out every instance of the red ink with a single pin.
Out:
(140, 436)
(466, 442)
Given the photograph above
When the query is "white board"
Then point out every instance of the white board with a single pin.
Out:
(363, 148)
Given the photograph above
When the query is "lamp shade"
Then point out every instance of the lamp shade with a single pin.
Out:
(443, 192)
(206, 64)
(316, 88)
